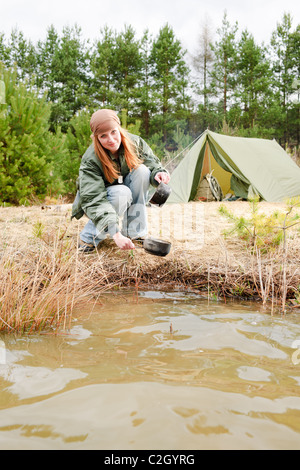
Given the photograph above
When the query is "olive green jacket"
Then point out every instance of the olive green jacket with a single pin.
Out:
(91, 198)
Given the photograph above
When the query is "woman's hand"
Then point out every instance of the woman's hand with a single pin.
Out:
(122, 242)
(162, 177)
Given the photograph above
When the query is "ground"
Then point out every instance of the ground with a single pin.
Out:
(195, 229)
(42, 274)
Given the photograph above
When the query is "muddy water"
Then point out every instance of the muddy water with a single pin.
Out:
(161, 371)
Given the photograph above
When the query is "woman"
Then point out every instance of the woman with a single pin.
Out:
(114, 177)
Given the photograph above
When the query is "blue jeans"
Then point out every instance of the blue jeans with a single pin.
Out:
(129, 200)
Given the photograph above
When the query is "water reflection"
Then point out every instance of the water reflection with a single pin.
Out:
(162, 371)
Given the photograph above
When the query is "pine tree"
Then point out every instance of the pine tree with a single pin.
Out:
(26, 146)
(102, 67)
(170, 73)
(283, 67)
(22, 55)
(224, 68)
(46, 51)
(70, 74)
(78, 140)
(127, 70)
(295, 96)
(252, 95)
(4, 51)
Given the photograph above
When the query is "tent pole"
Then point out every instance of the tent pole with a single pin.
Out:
(176, 156)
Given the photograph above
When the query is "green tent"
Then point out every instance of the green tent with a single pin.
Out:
(241, 166)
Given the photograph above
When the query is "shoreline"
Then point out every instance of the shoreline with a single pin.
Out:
(39, 244)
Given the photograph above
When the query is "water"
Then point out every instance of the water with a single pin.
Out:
(161, 371)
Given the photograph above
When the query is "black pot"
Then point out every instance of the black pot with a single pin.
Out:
(161, 194)
(156, 247)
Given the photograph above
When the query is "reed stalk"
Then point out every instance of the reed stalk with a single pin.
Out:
(39, 288)
(44, 280)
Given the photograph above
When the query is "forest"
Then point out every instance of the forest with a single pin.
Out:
(168, 95)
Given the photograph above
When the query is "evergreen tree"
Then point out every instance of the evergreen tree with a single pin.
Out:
(127, 70)
(46, 74)
(295, 96)
(224, 68)
(170, 73)
(78, 139)
(4, 51)
(55, 86)
(71, 77)
(253, 82)
(26, 145)
(22, 55)
(103, 67)
(283, 67)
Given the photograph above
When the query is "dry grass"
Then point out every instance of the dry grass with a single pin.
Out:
(43, 277)
(43, 281)
(254, 277)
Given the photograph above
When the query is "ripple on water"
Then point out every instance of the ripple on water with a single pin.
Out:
(212, 375)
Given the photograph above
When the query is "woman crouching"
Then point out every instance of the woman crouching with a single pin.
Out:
(114, 178)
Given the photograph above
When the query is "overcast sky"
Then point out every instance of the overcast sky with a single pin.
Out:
(33, 17)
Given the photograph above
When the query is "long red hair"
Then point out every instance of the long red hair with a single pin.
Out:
(130, 153)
